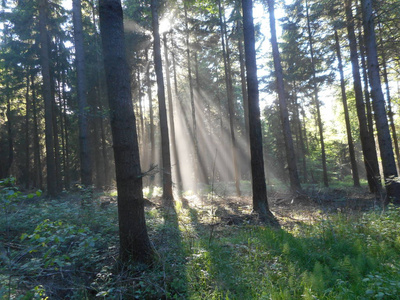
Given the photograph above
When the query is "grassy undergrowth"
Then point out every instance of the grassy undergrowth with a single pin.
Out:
(66, 248)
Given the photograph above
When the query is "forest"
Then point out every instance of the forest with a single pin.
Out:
(199, 149)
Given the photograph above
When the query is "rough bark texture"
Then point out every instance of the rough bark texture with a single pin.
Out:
(168, 197)
(134, 241)
(260, 202)
(48, 101)
(284, 114)
(367, 141)
(356, 179)
(86, 165)
(378, 104)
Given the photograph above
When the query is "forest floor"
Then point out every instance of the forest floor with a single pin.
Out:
(334, 243)
(306, 207)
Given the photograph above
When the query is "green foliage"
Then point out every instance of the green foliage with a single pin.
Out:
(59, 248)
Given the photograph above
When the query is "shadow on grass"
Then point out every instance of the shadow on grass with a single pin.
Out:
(340, 258)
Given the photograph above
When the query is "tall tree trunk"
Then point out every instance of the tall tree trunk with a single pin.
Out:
(27, 143)
(151, 121)
(48, 101)
(57, 156)
(367, 140)
(202, 167)
(229, 91)
(243, 81)
(84, 153)
(143, 130)
(62, 127)
(316, 101)
(365, 79)
(171, 117)
(168, 198)
(300, 133)
(260, 201)
(356, 179)
(244, 93)
(100, 92)
(284, 114)
(378, 103)
(389, 100)
(134, 241)
(38, 178)
(10, 138)
(67, 178)
(193, 109)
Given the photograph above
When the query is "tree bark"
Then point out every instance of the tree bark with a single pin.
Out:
(354, 168)
(378, 103)
(48, 101)
(100, 92)
(367, 140)
(27, 143)
(38, 178)
(284, 114)
(389, 101)
(260, 201)
(84, 153)
(134, 241)
(168, 198)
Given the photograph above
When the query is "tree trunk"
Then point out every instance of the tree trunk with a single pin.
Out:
(100, 91)
(229, 91)
(194, 124)
(171, 117)
(356, 179)
(84, 153)
(38, 178)
(378, 103)
(316, 101)
(10, 138)
(260, 202)
(243, 81)
(48, 101)
(284, 114)
(389, 101)
(67, 178)
(57, 156)
(168, 198)
(151, 115)
(27, 143)
(365, 79)
(367, 140)
(134, 241)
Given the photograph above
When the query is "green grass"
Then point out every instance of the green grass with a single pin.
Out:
(62, 249)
